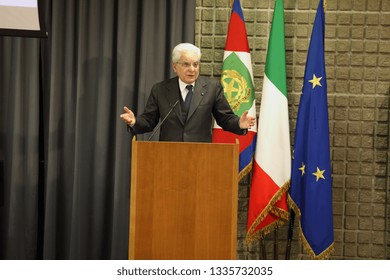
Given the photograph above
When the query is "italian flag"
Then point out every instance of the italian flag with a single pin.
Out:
(237, 82)
(272, 167)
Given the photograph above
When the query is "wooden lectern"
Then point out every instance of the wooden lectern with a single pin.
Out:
(183, 202)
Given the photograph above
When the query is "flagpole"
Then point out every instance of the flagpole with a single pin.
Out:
(276, 247)
(262, 248)
(290, 234)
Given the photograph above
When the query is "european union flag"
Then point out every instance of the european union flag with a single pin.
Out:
(311, 181)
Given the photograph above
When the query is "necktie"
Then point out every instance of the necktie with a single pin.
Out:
(188, 97)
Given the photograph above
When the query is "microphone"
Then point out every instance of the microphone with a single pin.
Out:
(163, 120)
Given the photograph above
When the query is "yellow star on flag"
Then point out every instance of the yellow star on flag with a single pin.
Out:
(315, 81)
(302, 168)
(230, 88)
(319, 174)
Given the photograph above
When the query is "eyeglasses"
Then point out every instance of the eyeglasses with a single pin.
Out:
(188, 65)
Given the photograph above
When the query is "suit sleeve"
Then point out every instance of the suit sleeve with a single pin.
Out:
(150, 117)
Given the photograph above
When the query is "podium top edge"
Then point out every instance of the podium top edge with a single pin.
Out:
(185, 143)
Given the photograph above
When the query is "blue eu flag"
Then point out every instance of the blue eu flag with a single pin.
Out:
(311, 182)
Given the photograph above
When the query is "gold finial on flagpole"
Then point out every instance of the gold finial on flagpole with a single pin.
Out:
(324, 5)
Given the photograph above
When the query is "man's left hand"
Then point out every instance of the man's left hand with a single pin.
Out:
(246, 122)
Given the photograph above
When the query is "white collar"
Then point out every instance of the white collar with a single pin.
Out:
(182, 85)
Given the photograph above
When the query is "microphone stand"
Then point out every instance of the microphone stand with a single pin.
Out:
(163, 120)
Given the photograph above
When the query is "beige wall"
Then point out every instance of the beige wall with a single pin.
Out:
(358, 74)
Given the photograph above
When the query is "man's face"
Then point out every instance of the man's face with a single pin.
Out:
(187, 68)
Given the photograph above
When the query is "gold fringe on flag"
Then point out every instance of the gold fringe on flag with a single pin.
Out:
(245, 171)
(280, 213)
(326, 253)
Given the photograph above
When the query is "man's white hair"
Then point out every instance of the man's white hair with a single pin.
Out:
(184, 47)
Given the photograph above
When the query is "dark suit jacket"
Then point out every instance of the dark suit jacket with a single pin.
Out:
(195, 125)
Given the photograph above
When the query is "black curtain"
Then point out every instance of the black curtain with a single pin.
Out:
(64, 151)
